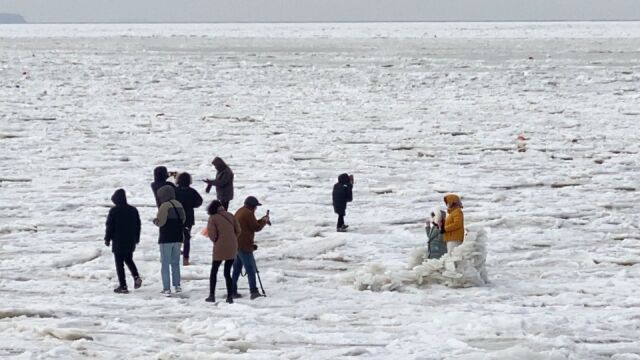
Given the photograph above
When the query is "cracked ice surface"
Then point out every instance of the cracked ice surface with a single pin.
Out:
(413, 110)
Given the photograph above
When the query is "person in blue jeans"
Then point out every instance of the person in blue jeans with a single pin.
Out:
(170, 219)
(246, 246)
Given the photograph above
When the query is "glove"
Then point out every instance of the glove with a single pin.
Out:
(107, 242)
(255, 247)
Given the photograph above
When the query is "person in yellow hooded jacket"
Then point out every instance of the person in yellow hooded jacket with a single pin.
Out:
(453, 229)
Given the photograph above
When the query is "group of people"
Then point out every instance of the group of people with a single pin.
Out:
(232, 235)
(445, 231)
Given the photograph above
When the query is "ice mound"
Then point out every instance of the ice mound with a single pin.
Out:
(463, 267)
(67, 334)
(417, 257)
(373, 277)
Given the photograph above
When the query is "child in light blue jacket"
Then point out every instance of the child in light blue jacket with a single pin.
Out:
(435, 243)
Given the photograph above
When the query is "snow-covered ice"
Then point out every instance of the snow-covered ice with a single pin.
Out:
(412, 110)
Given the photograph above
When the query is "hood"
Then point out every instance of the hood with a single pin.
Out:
(119, 197)
(344, 179)
(160, 174)
(440, 215)
(166, 193)
(219, 164)
(452, 201)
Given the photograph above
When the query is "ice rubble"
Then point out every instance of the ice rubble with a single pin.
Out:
(463, 267)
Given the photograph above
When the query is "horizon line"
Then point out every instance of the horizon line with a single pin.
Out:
(131, 22)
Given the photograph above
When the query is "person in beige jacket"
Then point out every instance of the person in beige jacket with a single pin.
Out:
(223, 230)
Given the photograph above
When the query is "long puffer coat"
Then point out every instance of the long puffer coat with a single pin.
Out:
(123, 225)
(342, 194)
(454, 224)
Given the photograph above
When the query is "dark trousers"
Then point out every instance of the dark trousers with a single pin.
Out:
(186, 246)
(213, 277)
(340, 221)
(225, 204)
(121, 259)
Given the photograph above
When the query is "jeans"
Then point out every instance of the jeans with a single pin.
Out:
(244, 258)
(186, 248)
(121, 259)
(340, 221)
(213, 276)
(170, 257)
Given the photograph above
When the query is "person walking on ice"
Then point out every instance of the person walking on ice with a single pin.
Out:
(123, 230)
(453, 229)
(342, 194)
(170, 221)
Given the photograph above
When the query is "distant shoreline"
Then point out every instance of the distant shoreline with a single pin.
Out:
(10, 18)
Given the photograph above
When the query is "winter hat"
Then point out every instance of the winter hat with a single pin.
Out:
(252, 201)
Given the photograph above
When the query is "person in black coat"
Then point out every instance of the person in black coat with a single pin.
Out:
(223, 182)
(160, 176)
(123, 230)
(342, 194)
(190, 199)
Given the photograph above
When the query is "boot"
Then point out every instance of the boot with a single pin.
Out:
(255, 294)
(229, 299)
(235, 295)
(211, 298)
(137, 282)
(185, 261)
(121, 290)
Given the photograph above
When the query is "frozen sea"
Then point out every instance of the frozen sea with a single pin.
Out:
(412, 110)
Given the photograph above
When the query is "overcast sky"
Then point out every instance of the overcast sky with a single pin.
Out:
(318, 10)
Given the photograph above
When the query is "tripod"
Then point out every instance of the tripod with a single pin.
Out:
(259, 280)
